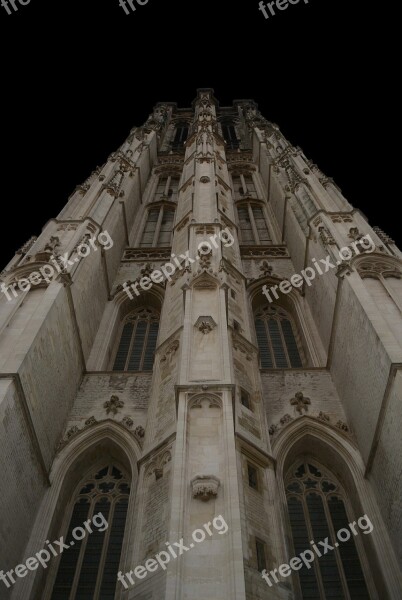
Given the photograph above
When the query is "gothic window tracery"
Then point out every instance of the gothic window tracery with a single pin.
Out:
(138, 341)
(88, 568)
(277, 340)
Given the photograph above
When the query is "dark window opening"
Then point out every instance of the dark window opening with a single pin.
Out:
(230, 136)
(260, 552)
(252, 477)
(138, 342)
(245, 399)
(181, 135)
(276, 339)
(88, 568)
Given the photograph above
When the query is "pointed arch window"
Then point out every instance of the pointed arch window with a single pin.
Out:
(229, 134)
(88, 568)
(180, 137)
(317, 510)
(158, 228)
(276, 337)
(138, 341)
(243, 186)
(167, 188)
(253, 225)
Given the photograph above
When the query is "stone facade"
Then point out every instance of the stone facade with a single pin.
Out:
(188, 431)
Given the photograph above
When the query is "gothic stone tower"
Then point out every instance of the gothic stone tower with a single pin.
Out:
(167, 401)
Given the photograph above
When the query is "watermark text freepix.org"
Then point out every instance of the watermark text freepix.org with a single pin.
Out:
(308, 557)
(5, 4)
(279, 4)
(43, 556)
(179, 262)
(308, 274)
(163, 558)
(131, 3)
(59, 264)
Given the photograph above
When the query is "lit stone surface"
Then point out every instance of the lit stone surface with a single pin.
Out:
(190, 429)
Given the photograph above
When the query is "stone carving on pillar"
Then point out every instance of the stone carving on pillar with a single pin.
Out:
(67, 227)
(354, 234)
(300, 402)
(156, 467)
(168, 359)
(52, 245)
(113, 186)
(205, 261)
(205, 487)
(204, 399)
(204, 126)
(205, 324)
(156, 121)
(326, 237)
(205, 142)
(341, 218)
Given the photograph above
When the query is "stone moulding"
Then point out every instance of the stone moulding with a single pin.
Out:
(138, 433)
(205, 487)
(340, 426)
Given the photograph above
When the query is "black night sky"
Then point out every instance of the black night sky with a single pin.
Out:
(76, 79)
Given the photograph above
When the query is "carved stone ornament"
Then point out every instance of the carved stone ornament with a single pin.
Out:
(113, 405)
(127, 422)
(147, 270)
(300, 402)
(286, 419)
(139, 431)
(266, 268)
(342, 426)
(72, 431)
(205, 179)
(52, 244)
(205, 324)
(205, 487)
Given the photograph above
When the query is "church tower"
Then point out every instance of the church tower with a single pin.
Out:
(201, 378)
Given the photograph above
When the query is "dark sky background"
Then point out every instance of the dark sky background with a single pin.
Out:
(83, 76)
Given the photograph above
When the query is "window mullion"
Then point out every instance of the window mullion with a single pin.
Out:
(253, 225)
(271, 348)
(82, 552)
(243, 183)
(157, 228)
(284, 343)
(167, 186)
(104, 552)
(130, 349)
(311, 536)
(144, 347)
(337, 553)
